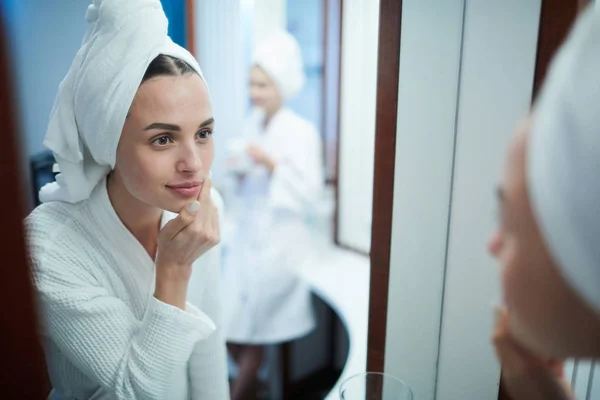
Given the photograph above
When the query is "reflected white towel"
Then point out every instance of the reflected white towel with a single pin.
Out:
(280, 57)
(94, 98)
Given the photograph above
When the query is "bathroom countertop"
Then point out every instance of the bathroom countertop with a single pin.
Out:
(341, 279)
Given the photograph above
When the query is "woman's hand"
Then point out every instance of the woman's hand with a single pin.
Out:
(260, 157)
(524, 375)
(180, 242)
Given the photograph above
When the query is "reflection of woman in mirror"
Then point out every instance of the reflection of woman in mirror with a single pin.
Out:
(131, 130)
(280, 178)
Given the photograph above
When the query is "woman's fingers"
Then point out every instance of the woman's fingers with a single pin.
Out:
(205, 229)
(186, 217)
(204, 196)
(215, 223)
(193, 232)
(515, 358)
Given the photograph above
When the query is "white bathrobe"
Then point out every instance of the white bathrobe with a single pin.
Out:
(264, 299)
(106, 336)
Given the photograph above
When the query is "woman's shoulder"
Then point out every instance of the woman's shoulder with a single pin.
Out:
(48, 218)
(54, 228)
(51, 216)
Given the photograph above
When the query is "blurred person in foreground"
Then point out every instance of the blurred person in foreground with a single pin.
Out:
(548, 241)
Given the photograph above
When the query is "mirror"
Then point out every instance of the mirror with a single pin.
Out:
(336, 103)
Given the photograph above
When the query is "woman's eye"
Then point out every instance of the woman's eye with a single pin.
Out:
(203, 135)
(161, 141)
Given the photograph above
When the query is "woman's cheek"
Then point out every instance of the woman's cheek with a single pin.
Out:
(207, 155)
(144, 175)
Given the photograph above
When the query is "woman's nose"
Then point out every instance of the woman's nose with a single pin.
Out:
(495, 243)
(189, 159)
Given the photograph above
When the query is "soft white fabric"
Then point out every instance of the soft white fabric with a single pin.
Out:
(106, 336)
(95, 95)
(265, 301)
(564, 158)
(280, 57)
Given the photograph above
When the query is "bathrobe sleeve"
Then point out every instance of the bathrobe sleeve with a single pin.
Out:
(101, 337)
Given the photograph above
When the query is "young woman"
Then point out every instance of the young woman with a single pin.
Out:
(547, 242)
(265, 302)
(132, 131)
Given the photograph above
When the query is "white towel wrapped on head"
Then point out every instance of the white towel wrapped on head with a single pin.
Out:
(95, 96)
(279, 55)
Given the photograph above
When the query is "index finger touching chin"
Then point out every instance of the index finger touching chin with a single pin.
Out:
(204, 196)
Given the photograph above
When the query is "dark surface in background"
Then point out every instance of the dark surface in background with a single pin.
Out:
(556, 19)
(388, 70)
(23, 371)
(41, 173)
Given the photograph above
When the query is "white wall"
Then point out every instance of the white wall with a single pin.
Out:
(331, 93)
(360, 29)
(268, 15)
(427, 103)
(218, 43)
(500, 44)
(457, 109)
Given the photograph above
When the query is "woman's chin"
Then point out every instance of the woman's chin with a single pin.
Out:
(175, 207)
(172, 205)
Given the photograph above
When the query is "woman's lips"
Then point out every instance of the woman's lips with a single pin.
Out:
(186, 190)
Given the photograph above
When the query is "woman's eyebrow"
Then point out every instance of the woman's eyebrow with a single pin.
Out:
(209, 121)
(172, 127)
(162, 126)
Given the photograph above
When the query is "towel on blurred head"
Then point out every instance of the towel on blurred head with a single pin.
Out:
(280, 57)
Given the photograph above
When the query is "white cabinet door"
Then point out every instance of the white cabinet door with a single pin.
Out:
(466, 78)
(427, 102)
(360, 29)
(498, 67)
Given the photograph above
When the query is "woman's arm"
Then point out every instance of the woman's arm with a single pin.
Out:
(102, 338)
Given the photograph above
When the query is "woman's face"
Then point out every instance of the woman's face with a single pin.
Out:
(166, 148)
(545, 314)
(263, 91)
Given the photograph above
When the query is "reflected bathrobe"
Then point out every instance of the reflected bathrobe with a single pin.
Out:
(105, 335)
(264, 300)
